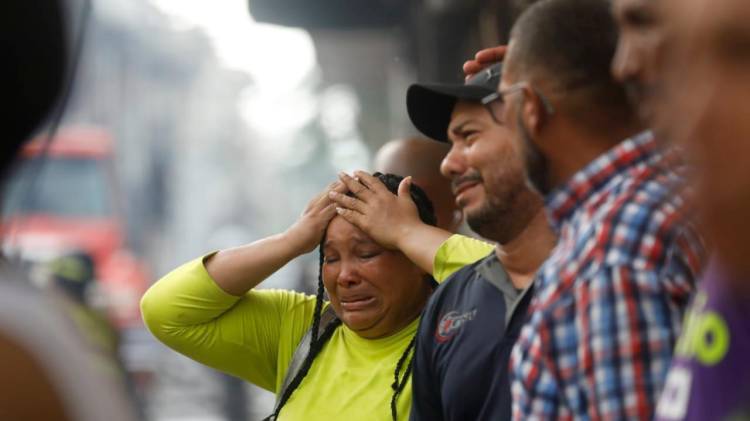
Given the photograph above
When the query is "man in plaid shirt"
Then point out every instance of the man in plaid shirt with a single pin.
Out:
(610, 299)
(609, 302)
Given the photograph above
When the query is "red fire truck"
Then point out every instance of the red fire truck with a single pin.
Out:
(65, 197)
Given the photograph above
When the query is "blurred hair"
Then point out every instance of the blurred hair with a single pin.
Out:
(570, 44)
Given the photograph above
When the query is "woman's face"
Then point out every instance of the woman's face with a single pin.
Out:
(374, 291)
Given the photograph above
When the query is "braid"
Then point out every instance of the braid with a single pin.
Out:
(318, 296)
(316, 342)
(398, 386)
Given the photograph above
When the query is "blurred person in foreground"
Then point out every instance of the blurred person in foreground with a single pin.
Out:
(640, 48)
(347, 359)
(48, 370)
(706, 106)
(608, 303)
(472, 320)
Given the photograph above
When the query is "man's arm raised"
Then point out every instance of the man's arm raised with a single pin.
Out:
(483, 59)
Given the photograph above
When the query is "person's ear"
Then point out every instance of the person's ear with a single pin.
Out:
(533, 111)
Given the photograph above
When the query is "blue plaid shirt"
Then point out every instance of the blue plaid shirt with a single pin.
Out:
(610, 299)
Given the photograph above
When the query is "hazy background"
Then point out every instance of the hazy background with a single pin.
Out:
(223, 127)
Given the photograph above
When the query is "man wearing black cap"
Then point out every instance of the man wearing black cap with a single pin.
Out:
(471, 322)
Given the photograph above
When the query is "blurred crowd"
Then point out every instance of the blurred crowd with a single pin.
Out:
(566, 240)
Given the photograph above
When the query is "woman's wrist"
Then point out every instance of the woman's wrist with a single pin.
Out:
(295, 243)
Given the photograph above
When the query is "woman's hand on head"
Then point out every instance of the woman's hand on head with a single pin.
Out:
(385, 217)
(308, 230)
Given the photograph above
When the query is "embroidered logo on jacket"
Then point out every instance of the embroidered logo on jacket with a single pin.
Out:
(450, 323)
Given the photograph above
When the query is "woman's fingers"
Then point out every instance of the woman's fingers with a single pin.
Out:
(371, 182)
(347, 202)
(336, 186)
(404, 188)
(353, 217)
(329, 211)
(353, 185)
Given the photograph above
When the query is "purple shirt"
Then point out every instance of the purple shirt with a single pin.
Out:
(710, 374)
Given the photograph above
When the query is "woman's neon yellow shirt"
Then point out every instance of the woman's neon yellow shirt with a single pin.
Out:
(254, 337)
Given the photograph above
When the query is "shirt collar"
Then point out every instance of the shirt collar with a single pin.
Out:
(562, 202)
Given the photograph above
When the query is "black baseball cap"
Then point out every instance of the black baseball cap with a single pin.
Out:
(430, 105)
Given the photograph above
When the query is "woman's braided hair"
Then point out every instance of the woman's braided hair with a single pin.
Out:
(318, 340)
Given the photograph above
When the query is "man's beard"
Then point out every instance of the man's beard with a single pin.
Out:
(535, 163)
(501, 219)
(483, 222)
(640, 97)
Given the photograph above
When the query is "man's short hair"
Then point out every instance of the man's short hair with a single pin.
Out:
(570, 43)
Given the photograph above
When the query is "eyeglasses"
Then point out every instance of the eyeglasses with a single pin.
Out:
(499, 96)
